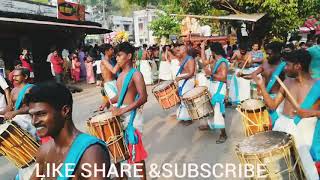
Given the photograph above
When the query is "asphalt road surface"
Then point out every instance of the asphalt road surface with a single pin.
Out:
(166, 140)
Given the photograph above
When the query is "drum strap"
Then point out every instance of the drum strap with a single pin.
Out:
(80, 144)
(21, 96)
(276, 72)
(179, 71)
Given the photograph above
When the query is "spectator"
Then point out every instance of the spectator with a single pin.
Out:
(26, 61)
(57, 63)
(89, 70)
(75, 69)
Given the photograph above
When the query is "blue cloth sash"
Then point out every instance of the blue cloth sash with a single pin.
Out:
(218, 97)
(130, 136)
(276, 72)
(179, 72)
(81, 143)
(21, 94)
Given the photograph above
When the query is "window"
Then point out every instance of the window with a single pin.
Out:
(126, 27)
(140, 26)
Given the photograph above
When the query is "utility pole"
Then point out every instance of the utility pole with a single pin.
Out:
(104, 13)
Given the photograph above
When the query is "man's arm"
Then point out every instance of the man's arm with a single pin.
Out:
(95, 157)
(221, 74)
(190, 67)
(253, 74)
(234, 56)
(271, 103)
(114, 69)
(142, 91)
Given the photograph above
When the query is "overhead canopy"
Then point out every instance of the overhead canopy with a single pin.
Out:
(242, 17)
(51, 22)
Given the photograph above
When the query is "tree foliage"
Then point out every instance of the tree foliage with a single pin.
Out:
(165, 25)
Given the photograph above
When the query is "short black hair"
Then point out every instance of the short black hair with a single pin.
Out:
(55, 94)
(217, 48)
(275, 47)
(144, 46)
(105, 47)
(125, 47)
(243, 46)
(24, 71)
(300, 56)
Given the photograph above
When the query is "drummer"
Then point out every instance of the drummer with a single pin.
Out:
(239, 87)
(133, 95)
(109, 69)
(305, 91)
(186, 81)
(52, 116)
(218, 76)
(19, 113)
(274, 66)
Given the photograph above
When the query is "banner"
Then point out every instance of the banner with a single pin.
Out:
(70, 11)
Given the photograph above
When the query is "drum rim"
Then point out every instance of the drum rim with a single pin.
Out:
(252, 110)
(153, 91)
(196, 96)
(101, 122)
(290, 141)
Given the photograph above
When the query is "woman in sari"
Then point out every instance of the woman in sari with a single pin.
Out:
(89, 69)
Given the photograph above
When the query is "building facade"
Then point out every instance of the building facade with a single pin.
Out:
(121, 23)
(141, 21)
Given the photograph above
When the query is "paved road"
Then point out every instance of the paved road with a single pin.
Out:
(166, 140)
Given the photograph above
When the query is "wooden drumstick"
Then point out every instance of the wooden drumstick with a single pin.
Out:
(288, 92)
(245, 63)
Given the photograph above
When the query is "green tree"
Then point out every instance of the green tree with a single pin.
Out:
(165, 25)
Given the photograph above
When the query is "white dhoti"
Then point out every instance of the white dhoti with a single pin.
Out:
(240, 87)
(25, 122)
(182, 112)
(146, 72)
(217, 122)
(303, 136)
(202, 80)
(26, 173)
(165, 71)
(137, 122)
(154, 69)
(175, 64)
(110, 88)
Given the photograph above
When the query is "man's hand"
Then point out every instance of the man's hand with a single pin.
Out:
(117, 111)
(103, 106)
(260, 82)
(9, 115)
(203, 44)
(239, 74)
(207, 71)
(304, 113)
(178, 79)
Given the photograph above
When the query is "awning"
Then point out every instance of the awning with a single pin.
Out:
(242, 17)
(89, 29)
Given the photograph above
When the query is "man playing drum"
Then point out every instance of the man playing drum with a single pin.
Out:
(19, 113)
(305, 92)
(239, 87)
(269, 69)
(109, 70)
(217, 88)
(132, 96)
(185, 80)
(52, 116)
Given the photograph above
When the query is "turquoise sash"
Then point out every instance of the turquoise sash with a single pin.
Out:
(276, 72)
(179, 71)
(130, 136)
(218, 97)
(21, 94)
(311, 98)
(81, 143)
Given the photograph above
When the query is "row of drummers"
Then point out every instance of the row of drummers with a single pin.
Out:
(289, 151)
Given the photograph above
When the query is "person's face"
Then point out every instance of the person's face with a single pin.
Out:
(123, 58)
(181, 51)
(18, 77)
(255, 47)
(270, 54)
(109, 52)
(291, 70)
(55, 53)
(243, 51)
(47, 120)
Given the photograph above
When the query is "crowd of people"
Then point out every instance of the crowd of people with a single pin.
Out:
(124, 72)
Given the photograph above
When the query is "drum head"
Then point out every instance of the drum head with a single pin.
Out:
(162, 85)
(264, 142)
(194, 92)
(101, 117)
(251, 105)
